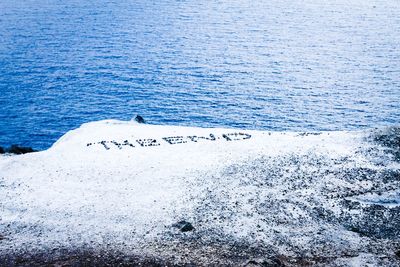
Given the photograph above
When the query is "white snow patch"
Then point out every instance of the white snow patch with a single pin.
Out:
(81, 190)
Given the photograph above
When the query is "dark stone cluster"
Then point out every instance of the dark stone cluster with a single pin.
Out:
(119, 145)
(236, 136)
(175, 140)
(147, 142)
(184, 139)
(195, 138)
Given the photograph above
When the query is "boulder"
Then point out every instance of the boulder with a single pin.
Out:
(184, 226)
(139, 119)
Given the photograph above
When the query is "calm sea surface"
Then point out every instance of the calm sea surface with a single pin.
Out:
(273, 65)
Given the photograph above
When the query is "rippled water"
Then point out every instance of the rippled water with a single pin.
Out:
(276, 65)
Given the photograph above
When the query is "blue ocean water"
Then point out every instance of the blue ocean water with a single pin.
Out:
(274, 65)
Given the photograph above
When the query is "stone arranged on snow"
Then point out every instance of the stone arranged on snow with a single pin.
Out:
(172, 140)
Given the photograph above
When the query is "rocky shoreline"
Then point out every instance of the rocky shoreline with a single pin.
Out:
(16, 149)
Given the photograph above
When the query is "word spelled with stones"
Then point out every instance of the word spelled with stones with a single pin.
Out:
(171, 140)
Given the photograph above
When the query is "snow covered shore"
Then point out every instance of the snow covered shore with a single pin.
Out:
(116, 190)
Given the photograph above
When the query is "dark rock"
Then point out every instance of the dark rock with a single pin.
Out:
(398, 253)
(2, 151)
(184, 226)
(266, 263)
(252, 263)
(188, 227)
(15, 149)
(139, 119)
(272, 263)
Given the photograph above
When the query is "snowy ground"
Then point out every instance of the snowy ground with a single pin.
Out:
(112, 192)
